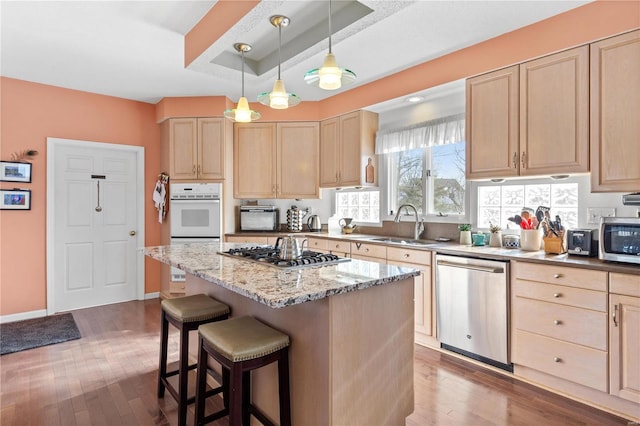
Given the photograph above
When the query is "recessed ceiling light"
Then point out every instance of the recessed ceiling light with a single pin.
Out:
(414, 99)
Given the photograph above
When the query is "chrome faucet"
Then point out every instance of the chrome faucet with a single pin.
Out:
(419, 227)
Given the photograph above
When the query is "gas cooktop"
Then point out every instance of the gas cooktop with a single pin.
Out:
(269, 255)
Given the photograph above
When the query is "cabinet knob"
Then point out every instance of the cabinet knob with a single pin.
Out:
(406, 255)
(366, 250)
(515, 160)
(337, 245)
(556, 359)
(193, 170)
(524, 160)
(557, 322)
(557, 276)
(557, 294)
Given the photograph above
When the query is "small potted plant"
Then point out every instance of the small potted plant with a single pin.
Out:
(465, 234)
(496, 235)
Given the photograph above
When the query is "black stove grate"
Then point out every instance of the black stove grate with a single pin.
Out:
(270, 255)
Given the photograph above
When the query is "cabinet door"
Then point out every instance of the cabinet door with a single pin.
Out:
(183, 148)
(298, 151)
(554, 114)
(349, 154)
(210, 148)
(624, 347)
(492, 124)
(329, 160)
(615, 108)
(254, 160)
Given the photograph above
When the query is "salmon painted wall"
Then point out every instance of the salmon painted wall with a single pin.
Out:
(29, 114)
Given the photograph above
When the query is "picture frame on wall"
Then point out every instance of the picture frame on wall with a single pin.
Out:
(15, 199)
(15, 171)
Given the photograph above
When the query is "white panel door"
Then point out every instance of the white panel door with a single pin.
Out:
(95, 213)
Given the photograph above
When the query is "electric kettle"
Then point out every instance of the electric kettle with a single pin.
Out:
(314, 223)
(289, 247)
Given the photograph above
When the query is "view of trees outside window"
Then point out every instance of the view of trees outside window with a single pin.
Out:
(437, 188)
(496, 204)
(448, 178)
(362, 206)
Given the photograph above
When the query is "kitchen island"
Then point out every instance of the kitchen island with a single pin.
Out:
(351, 326)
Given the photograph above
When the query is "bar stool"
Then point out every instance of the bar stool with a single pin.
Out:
(186, 314)
(241, 344)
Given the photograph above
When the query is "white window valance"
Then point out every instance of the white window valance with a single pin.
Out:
(440, 131)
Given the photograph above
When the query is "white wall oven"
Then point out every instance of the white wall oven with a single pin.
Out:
(195, 213)
(195, 210)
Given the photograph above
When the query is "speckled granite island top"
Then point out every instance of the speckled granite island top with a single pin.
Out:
(273, 286)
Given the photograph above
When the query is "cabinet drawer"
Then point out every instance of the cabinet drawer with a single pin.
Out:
(563, 295)
(575, 325)
(568, 361)
(369, 250)
(573, 277)
(625, 284)
(177, 287)
(318, 244)
(339, 246)
(421, 257)
(247, 239)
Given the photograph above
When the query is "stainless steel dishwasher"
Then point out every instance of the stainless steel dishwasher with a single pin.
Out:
(472, 299)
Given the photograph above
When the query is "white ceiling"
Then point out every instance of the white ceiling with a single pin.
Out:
(135, 49)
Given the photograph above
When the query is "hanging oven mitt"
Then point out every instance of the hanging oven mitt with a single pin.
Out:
(159, 193)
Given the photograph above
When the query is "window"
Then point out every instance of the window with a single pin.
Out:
(425, 166)
(496, 204)
(432, 179)
(362, 206)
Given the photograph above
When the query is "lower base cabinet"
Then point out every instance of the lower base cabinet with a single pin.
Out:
(624, 337)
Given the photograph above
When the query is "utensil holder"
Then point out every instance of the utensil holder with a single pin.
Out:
(555, 245)
(530, 239)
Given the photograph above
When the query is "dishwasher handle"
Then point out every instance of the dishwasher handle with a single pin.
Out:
(489, 269)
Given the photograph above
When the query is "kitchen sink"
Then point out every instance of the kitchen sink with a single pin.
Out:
(403, 241)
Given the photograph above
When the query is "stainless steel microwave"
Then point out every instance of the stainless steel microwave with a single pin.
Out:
(259, 218)
(620, 239)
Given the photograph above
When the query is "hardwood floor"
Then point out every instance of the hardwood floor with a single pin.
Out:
(108, 377)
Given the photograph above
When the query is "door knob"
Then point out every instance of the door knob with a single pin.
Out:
(132, 233)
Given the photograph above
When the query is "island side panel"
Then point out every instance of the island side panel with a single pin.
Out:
(307, 325)
(372, 354)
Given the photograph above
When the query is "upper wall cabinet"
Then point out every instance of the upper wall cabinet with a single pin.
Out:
(530, 119)
(195, 148)
(276, 160)
(347, 146)
(615, 114)
(492, 124)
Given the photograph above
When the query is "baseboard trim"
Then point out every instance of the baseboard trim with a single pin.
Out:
(148, 296)
(23, 316)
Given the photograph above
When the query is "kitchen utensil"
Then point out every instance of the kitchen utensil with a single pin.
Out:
(290, 248)
(313, 222)
(517, 219)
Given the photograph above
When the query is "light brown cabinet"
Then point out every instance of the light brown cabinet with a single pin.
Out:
(559, 322)
(249, 239)
(624, 336)
(615, 108)
(347, 145)
(276, 160)
(424, 291)
(530, 119)
(196, 148)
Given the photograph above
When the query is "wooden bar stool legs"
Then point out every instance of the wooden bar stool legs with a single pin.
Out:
(241, 345)
(186, 314)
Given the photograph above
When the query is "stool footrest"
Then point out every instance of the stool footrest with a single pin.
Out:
(215, 416)
(260, 415)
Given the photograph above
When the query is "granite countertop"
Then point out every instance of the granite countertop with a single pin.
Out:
(486, 252)
(273, 286)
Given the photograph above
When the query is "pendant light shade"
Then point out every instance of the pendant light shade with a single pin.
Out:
(242, 113)
(279, 98)
(329, 76)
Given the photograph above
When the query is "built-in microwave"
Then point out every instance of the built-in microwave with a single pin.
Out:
(620, 239)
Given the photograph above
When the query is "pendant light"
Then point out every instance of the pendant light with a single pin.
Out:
(278, 98)
(329, 76)
(242, 113)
